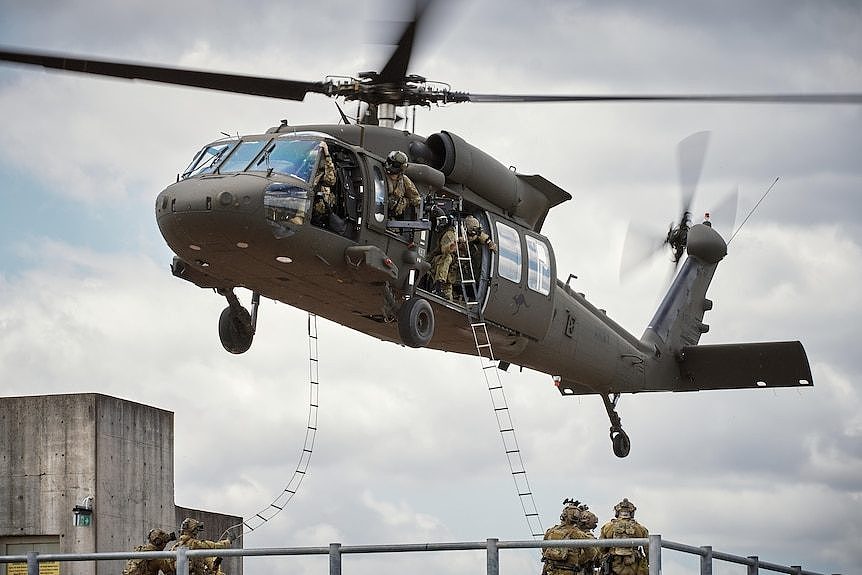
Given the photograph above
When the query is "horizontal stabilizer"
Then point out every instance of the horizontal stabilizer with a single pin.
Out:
(744, 366)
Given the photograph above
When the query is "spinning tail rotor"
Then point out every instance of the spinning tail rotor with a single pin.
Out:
(641, 244)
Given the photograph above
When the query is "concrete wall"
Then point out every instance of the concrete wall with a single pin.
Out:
(57, 450)
(47, 465)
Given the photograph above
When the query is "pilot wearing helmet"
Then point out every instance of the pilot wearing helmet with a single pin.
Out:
(402, 191)
(568, 560)
(189, 538)
(156, 541)
(625, 560)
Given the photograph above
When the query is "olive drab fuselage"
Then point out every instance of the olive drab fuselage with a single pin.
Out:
(240, 216)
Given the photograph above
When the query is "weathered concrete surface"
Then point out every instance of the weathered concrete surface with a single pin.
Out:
(57, 450)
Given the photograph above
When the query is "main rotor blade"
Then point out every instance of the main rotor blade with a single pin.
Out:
(395, 69)
(821, 98)
(238, 84)
(691, 152)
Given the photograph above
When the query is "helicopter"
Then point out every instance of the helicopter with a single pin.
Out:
(240, 216)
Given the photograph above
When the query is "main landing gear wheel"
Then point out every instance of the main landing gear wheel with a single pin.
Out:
(619, 439)
(416, 322)
(235, 336)
(236, 326)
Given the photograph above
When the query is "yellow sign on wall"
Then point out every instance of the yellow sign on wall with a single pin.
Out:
(45, 568)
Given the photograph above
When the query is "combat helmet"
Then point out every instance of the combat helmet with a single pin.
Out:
(571, 512)
(191, 526)
(472, 225)
(396, 161)
(588, 520)
(159, 538)
(625, 509)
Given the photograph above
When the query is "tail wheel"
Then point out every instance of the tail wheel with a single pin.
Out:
(416, 322)
(233, 331)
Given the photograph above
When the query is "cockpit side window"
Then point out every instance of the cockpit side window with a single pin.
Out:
(297, 158)
(207, 159)
(241, 157)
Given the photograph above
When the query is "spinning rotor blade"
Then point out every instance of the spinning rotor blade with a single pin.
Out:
(395, 69)
(691, 152)
(723, 215)
(639, 247)
(847, 98)
(235, 83)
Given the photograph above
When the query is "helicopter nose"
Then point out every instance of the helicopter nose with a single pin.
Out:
(203, 217)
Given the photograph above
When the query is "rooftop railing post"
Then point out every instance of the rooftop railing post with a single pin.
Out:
(33, 563)
(335, 559)
(182, 560)
(654, 554)
(755, 568)
(706, 560)
(493, 557)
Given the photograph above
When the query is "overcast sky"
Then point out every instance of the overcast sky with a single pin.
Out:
(408, 449)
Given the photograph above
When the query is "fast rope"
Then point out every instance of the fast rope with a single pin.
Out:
(283, 498)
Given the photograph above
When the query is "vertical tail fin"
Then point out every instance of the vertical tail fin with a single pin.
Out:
(678, 321)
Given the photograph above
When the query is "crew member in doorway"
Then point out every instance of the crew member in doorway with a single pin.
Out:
(625, 560)
(442, 270)
(402, 191)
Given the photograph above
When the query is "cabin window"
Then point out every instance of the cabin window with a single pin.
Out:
(509, 251)
(206, 160)
(296, 158)
(241, 157)
(379, 194)
(539, 266)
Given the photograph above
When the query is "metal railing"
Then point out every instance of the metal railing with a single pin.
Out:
(492, 548)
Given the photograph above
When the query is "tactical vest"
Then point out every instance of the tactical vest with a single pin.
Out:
(624, 529)
(556, 553)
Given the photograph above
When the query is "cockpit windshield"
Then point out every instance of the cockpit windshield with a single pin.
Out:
(290, 157)
(295, 157)
(241, 157)
(206, 160)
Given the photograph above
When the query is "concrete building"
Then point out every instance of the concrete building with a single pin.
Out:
(85, 473)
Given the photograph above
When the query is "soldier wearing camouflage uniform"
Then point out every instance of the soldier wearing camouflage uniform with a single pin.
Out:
(189, 539)
(444, 269)
(625, 560)
(568, 561)
(402, 190)
(156, 541)
(324, 179)
(586, 523)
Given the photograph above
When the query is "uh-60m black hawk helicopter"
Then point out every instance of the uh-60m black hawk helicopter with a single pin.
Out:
(241, 215)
